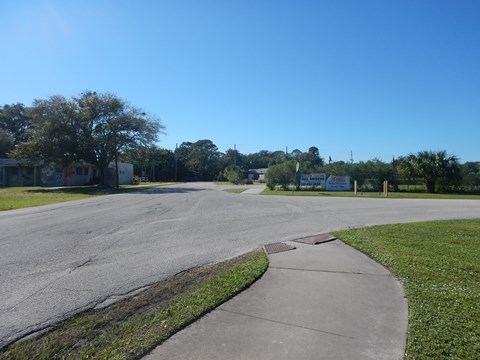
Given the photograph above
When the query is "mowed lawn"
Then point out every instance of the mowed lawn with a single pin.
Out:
(391, 195)
(27, 196)
(438, 264)
(20, 197)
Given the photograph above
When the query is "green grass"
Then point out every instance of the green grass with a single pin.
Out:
(130, 328)
(438, 264)
(235, 190)
(28, 196)
(21, 197)
(391, 195)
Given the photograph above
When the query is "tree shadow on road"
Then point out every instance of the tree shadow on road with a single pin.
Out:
(169, 190)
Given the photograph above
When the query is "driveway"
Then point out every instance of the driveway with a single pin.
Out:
(57, 260)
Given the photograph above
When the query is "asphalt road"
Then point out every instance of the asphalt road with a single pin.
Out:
(57, 260)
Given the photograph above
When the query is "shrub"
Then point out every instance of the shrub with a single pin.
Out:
(136, 180)
(233, 173)
(282, 174)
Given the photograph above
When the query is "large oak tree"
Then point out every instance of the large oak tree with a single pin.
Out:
(14, 124)
(93, 127)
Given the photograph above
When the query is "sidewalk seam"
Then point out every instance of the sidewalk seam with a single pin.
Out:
(287, 324)
(329, 271)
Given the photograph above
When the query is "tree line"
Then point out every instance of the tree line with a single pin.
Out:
(202, 161)
(431, 171)
(100, 128)
(97, 128)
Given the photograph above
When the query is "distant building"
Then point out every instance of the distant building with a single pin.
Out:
(125, 174)
(19, 173)
(35, 173)
(257, 174)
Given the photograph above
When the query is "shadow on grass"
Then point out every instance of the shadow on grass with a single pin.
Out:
(99, 190)
(87, 190)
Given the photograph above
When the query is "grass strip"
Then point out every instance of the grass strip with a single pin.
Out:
(236, 190)
(391, 194)
(28, 196)
(16, 198)
(131, 327)
(438, 264)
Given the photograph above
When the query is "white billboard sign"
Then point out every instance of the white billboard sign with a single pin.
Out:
(312, 180)
(338, 183)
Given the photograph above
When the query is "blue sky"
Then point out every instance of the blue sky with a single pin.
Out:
(378, 78)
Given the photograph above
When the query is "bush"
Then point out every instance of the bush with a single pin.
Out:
(136, 180)
(282, 174)
(233, 173)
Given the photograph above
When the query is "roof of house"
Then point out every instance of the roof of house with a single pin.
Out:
(14, 162)
(258, 171)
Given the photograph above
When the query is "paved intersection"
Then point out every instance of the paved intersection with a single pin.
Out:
(59, 259)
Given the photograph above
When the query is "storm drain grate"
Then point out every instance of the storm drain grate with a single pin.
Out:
(277, 247)
(316, 239)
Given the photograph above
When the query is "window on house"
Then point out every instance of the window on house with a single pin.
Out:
(79, 171)
(85, 171)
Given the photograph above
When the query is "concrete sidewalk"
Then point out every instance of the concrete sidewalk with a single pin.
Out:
(324, 301)
(254, 190)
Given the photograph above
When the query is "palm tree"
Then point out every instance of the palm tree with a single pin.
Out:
(434, 167)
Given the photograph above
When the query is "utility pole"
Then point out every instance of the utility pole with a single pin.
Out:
(176, 162)
(351, 156)
(235, 154)
(117, 182)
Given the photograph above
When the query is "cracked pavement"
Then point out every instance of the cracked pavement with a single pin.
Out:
(60, 259)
